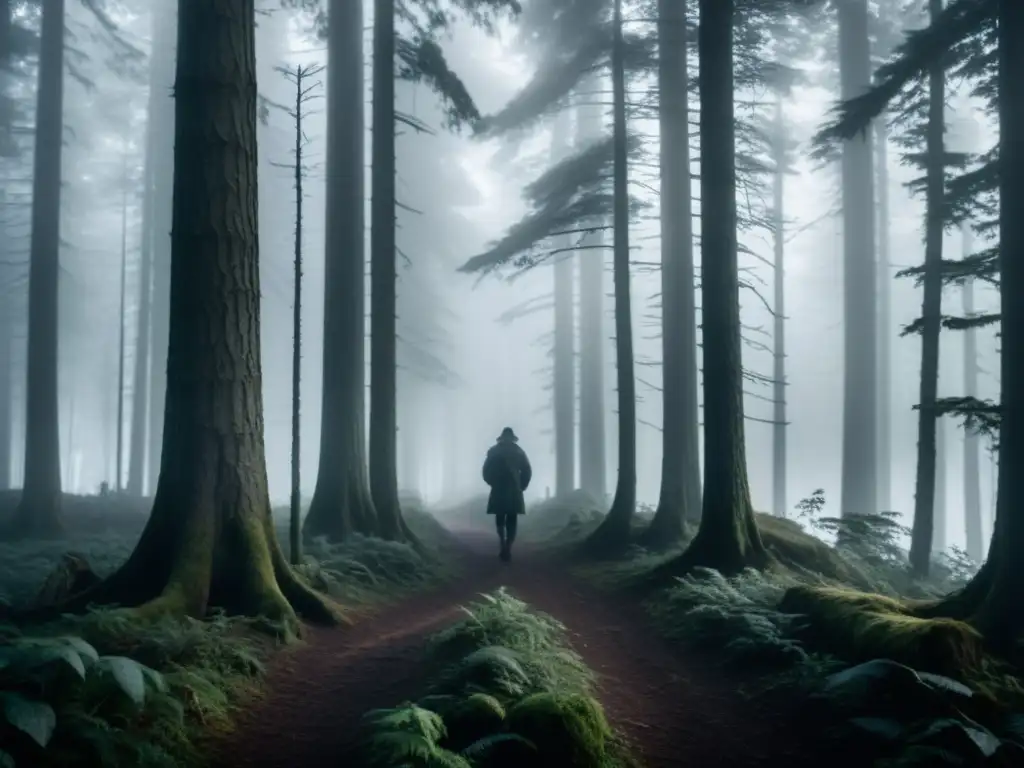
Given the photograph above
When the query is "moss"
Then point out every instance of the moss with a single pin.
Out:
(566, 729)
(477, 716)
(862, 626)
(799, 551)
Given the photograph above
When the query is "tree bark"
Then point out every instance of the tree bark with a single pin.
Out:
(341, 503)
(593, 461)
(860, 381)
(680, 496)
(939, 536)
(163, 185)
(924, 523)
(564, 352)
(972, 441)
(614, 532)
(210, 540)
(728, 539)
(383, 278)
(779, 320)
(1001, 615)
(38, 512)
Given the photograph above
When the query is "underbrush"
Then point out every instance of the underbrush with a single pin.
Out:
(506, 689)
(106, 689)
(926, 689)
(111, 689)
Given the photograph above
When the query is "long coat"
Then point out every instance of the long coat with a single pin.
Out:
(507, 470)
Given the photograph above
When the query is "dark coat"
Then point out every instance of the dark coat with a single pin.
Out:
(508, 472)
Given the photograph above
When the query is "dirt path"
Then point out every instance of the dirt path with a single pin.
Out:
(675, 710)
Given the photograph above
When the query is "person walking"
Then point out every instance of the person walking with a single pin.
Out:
(507, 471)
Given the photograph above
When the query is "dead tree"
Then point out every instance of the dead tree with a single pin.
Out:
(306, 88)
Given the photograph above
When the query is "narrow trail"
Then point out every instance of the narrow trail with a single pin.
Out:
(675, 709)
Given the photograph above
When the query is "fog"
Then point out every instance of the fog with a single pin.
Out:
(456, 195)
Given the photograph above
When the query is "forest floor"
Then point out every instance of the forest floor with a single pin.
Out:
(674, 707)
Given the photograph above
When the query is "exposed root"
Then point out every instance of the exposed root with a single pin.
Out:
(303, 599)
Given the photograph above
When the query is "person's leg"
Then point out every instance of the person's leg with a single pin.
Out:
(499, 521)
(511, 525)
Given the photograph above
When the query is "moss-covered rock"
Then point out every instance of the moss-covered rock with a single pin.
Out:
(567, 730)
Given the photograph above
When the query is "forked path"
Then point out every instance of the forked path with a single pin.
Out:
(675, 709)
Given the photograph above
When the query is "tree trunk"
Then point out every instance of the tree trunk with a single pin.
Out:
(1002, 613)
(162, 186)
(592, 336)
(859, 466)
(728, 539)
(614, 533)
(931, 316)
(939, 530)
(38, 512)
(885, 329)
(779, 321)
(972, 441)
(141, 379)
(383, 336)
(210, 539)
(341, 502)
(119, 439)
(680, 495)
(564, 357)
(295, 502)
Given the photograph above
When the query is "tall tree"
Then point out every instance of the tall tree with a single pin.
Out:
(727, 539)
(615, 530)
(210, 539)
(39, 509)
(860, 365)
(162, 119)
(931, 315)
(341, 502)
(680, 495)
(780, 139)
(564, 352)
(972, 439)
(383, 280)
(592, 340)
(161, 62)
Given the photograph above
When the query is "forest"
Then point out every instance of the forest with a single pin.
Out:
(291, 289)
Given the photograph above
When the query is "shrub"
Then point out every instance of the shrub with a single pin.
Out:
(104, 690)
(507, 690)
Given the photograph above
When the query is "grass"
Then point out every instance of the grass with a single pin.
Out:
(507, 689)
(106, 689)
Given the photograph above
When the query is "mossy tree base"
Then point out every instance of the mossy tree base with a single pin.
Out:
(340, 508)
(667, 529)
(237, 566)
(614, 535)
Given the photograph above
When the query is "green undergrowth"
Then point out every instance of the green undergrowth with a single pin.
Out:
(112, 689)
(106, 689)
(506, 690)
(833, 616)
(366, 571)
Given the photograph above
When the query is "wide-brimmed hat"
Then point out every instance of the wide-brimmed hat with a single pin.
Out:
(508, 434)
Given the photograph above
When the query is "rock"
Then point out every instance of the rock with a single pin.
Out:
(71, 576)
